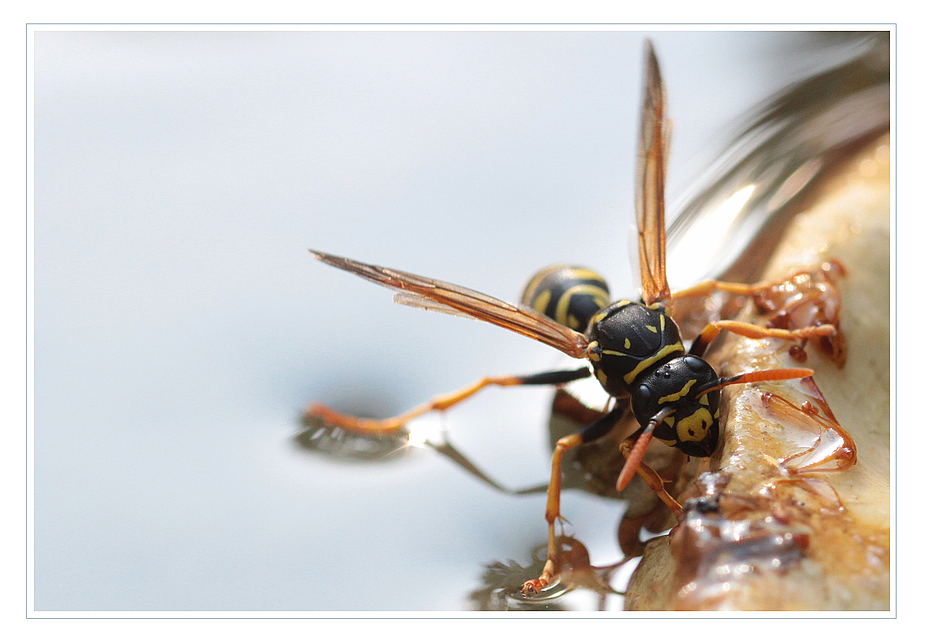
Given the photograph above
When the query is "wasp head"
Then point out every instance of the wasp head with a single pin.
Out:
(693, 427)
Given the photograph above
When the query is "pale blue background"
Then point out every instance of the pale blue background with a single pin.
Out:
(180, 324)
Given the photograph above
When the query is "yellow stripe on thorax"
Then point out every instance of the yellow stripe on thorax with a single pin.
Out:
(648, 362)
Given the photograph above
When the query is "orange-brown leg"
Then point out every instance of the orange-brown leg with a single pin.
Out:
(757, 291)
(650, 476)
(707, 287)
(756, 332)
(438, 403)
(592, 432)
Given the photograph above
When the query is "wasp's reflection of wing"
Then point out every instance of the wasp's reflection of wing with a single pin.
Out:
(468, 302)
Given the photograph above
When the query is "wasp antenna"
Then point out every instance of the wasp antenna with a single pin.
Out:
(639, 448)
(753, 376)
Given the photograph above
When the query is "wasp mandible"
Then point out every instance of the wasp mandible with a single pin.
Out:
(633, 348)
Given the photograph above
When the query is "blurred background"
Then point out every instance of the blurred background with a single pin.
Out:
(181, 326)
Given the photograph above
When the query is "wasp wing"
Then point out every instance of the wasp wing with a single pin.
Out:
(650, 185)
(447, 297)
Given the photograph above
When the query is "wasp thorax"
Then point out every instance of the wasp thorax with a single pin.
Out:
(570, 295)
(627, 339)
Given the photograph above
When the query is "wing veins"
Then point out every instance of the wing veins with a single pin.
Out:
(466, 301)
(650, 184)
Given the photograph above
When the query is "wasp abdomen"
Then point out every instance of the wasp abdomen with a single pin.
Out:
(570, 295)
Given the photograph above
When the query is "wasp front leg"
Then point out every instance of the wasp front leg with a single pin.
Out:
(592, 432)
(650, 476)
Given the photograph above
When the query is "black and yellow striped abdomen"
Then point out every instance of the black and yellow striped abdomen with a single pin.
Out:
(570, 295)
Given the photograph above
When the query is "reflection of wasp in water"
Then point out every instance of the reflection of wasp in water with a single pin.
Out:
(634, 349)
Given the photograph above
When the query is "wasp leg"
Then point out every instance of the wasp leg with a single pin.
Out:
(826, 272)
(650, 476)
(440, 403)
(707, 287)
(756, 332)
(592, 432)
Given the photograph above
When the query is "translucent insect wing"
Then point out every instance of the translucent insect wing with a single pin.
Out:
(654, 133)
(417, 291)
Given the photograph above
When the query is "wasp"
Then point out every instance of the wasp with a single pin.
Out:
(633, 348)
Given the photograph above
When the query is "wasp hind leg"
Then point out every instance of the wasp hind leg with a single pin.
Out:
(592, 432)
(438, 403)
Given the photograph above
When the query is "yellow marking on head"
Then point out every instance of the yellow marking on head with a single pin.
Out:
(602, 377)
(670, 443)
(678, 394)
(651, 328)
(704, 400)
(696, 426)
(626, 343)
(648, 362)
(669, 421)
